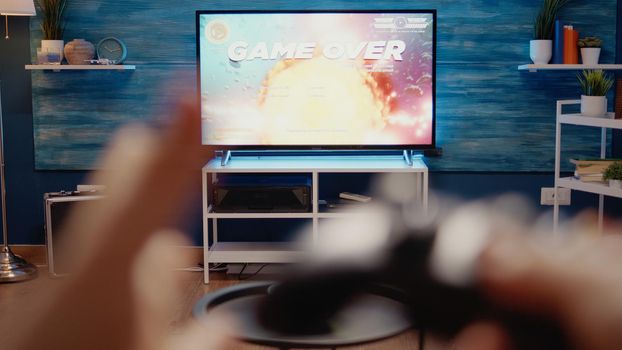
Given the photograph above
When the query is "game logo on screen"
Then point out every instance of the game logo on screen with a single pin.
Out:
(317, 79)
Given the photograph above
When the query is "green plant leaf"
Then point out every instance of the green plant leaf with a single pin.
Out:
(595, 82)
(613, 172)
(544, 26)
(52, 18)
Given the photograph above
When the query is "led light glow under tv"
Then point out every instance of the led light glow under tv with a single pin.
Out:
(317, 79)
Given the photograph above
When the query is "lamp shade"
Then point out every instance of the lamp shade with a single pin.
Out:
(17, 8)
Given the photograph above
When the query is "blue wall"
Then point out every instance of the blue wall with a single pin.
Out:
(491, 117)
(26, 186)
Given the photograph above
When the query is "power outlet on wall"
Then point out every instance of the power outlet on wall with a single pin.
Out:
(547, 196)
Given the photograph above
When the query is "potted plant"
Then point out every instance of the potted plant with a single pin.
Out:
(590, 49)
(613, 173)
(53, 26)
(594, 86)
(541, 48)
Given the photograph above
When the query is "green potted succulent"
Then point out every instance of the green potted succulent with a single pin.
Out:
(541, 47)
(594, 87)
(53, 27)
(590, 49)
(613, 173)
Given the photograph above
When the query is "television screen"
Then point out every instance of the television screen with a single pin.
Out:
(317, 79)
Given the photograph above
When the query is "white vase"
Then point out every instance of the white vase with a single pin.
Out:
(590, 55)
(615, 183)
(594, 106)
(55, 46)
(541, 51)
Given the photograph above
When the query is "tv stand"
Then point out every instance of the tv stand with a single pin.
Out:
(315, 167)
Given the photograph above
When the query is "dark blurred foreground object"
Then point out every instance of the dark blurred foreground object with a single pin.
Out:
(373, 315)
(304, 303)
(308, 305)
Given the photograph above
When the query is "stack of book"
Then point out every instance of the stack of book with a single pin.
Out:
(591, 170)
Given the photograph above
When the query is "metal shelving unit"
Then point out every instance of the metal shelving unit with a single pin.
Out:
(601, 189)
(313, 166)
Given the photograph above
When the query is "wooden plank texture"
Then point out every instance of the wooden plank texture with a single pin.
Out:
(490, 116)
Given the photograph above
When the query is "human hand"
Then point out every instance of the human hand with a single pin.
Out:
(575, 282)
(120, 295)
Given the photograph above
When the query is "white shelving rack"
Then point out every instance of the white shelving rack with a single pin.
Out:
(536, 67)
(264, 252)
(602, 189)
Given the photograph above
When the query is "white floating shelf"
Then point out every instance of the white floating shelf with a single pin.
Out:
(59, 67)
(266, 215)
(578, 119)
(255, 252)
(537, 67)
(593, 187)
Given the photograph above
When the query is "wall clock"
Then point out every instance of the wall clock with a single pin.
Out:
(112, 49)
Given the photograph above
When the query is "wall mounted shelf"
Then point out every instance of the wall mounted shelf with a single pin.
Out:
(537, 67)
(58, 68)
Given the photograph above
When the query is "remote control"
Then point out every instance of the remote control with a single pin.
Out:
(354, 197)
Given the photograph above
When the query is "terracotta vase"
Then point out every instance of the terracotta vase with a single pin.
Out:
(79, 51)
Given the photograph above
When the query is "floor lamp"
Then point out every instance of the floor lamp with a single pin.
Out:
(12, 267)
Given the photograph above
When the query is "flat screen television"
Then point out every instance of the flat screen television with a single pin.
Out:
(317, 79)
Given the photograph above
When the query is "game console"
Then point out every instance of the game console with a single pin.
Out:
(265, 193)
(248, 199)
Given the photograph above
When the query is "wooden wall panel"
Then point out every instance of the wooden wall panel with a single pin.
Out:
(490, 116)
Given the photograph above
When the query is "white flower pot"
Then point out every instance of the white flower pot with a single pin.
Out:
(540, 51)
(590, 55)
(53, 46)
(594, 106)
(615, 183)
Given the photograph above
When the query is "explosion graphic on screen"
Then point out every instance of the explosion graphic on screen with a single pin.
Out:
(332, 101)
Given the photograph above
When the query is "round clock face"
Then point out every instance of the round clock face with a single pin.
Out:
(112, 49)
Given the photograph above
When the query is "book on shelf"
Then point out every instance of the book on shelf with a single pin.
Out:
(571, 51)
(558, 43)
(591, 170)
(594, 161)
(590, 177)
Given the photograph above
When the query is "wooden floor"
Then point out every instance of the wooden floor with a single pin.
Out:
(195, 289)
